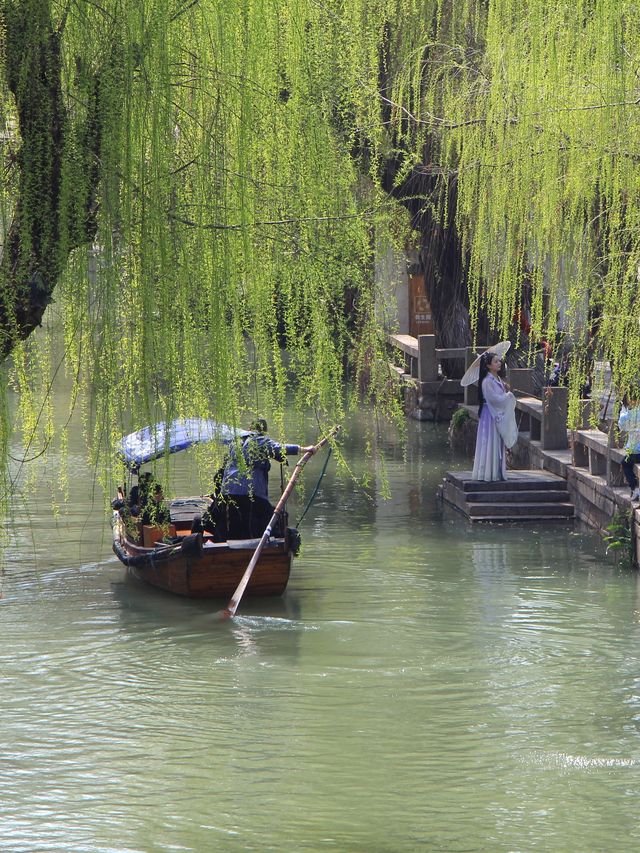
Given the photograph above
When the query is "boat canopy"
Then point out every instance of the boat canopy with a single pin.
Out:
(154, 441)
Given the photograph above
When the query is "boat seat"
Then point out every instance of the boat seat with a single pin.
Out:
(238, 544)
(186, 531)
(232, 544)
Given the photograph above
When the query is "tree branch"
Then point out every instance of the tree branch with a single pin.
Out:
(213, 226)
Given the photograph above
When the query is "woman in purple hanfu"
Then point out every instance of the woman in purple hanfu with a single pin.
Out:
(497, 424)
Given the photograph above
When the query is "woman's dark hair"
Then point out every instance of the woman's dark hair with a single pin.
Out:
(485, 360)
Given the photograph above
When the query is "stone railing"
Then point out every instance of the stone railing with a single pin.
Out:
(541, 419)
(596, 452)
(422, 359)
(429, 394)
(544, 419)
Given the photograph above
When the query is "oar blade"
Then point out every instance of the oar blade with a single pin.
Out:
(223, 615)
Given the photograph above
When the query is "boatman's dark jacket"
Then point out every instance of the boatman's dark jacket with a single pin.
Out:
(251, 478)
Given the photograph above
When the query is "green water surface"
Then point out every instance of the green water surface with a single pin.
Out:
(424, 685)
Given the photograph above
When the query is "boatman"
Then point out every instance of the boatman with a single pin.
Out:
(241, 509)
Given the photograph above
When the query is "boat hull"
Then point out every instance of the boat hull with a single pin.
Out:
(197, 568)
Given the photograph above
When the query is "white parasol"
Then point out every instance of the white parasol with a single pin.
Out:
(473, 372)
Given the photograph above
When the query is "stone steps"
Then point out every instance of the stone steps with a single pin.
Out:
(528, 497)
(523, 496)
(519, 510)
(517, 481)
(554, 519)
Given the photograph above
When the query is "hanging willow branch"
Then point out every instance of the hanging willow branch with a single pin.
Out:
(146, 142)
(546, 95)
(180, 189)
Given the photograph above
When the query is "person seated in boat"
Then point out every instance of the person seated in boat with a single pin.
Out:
(155, 512)
(241, 508)
(138, 494)
(146, 501)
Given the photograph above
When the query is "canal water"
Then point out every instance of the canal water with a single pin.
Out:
(424, 685)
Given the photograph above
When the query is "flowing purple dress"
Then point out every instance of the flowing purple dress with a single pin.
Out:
(496, 429)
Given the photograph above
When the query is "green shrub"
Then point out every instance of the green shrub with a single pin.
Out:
(458, 418)
(619, 538)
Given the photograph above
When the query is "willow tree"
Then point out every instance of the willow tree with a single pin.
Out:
(524, 120)
(549, 171)
(196, 184)
(178, 200)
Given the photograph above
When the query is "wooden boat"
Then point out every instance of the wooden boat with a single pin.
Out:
(192, 564)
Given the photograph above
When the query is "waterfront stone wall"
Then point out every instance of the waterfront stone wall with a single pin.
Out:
(587, 458)
(595, 487)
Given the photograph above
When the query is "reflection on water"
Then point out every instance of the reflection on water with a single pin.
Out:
(424, 684)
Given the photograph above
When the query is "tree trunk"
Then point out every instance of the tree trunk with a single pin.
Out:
(441, 254)
(37, 244)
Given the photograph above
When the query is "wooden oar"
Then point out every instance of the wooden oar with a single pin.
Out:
(232, 606)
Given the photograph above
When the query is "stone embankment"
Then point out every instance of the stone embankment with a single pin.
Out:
(587, 459)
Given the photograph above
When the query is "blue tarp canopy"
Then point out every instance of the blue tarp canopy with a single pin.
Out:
(154, 441)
